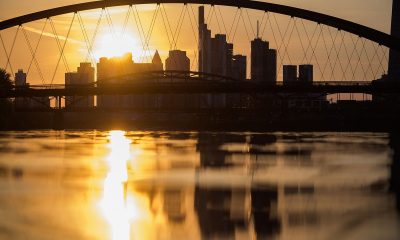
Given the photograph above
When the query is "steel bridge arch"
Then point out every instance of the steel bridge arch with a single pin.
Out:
(341, 24)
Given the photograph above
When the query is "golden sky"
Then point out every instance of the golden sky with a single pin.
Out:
(116, 39)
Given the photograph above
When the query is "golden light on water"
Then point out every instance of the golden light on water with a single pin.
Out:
(114, 204)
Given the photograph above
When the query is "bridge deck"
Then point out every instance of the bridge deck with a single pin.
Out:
(208, 87)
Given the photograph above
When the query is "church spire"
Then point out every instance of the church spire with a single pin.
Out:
(157, 63)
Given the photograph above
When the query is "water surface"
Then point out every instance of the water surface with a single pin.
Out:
(188, 185)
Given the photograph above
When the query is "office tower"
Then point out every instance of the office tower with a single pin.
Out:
(306, 73)
(259, 49)
(394, 55)
(239, 67)
(177, 60)
(271, 65)
(219, 54)
(289, 74)
(83, 76)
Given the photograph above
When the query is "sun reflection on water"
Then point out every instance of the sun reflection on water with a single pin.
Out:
(114, 204)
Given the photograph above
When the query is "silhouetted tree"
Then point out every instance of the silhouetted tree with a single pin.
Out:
(5, 104)
(5, 80)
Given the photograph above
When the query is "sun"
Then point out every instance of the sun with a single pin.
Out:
(115, 45)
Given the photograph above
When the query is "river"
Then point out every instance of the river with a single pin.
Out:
(188, 185)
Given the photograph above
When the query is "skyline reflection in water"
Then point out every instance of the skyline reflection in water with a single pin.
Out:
(177, 185)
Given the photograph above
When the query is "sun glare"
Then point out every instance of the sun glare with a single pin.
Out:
(115, 45)
(113, 203)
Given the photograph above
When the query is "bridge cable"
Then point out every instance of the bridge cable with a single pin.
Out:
(86, 37)
(62, 50)
(245, 25)
(337, 60)
(167, 28)
(222, 19)
(251, 25)
(150, 31)
(215, 15)
(262, 23)
(300, 38)
(95, 33)
(139, 25)
(233, 23)
(328, 53)
(11, 50)
(286, 45)
(349, 57)
(313, 51)
(273, 34)
(59, 43)
(368, 58)
(33, 55)
(179, 26)
(308, 40)
(382, 58)
(35, 51)
(128, 14)
(376, 72)
(285, 52)
(333, 50)
(4, 48)
(283, 37)
(385, 54)
(358, 57)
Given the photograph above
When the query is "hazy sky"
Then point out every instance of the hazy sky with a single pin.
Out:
(373, 13)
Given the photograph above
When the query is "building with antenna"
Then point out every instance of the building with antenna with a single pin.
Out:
(263, 60)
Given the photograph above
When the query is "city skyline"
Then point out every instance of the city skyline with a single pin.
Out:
(76, 52)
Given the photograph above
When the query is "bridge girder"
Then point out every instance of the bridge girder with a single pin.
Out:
(374, 35)
(199, 88)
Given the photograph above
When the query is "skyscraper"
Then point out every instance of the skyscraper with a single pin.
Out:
(289, 74)
(259, 49)
(219, 54)
(306, 74)
(263, 61)
(239, 67)
(394, 55)
(204, 44)
(271, 65)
